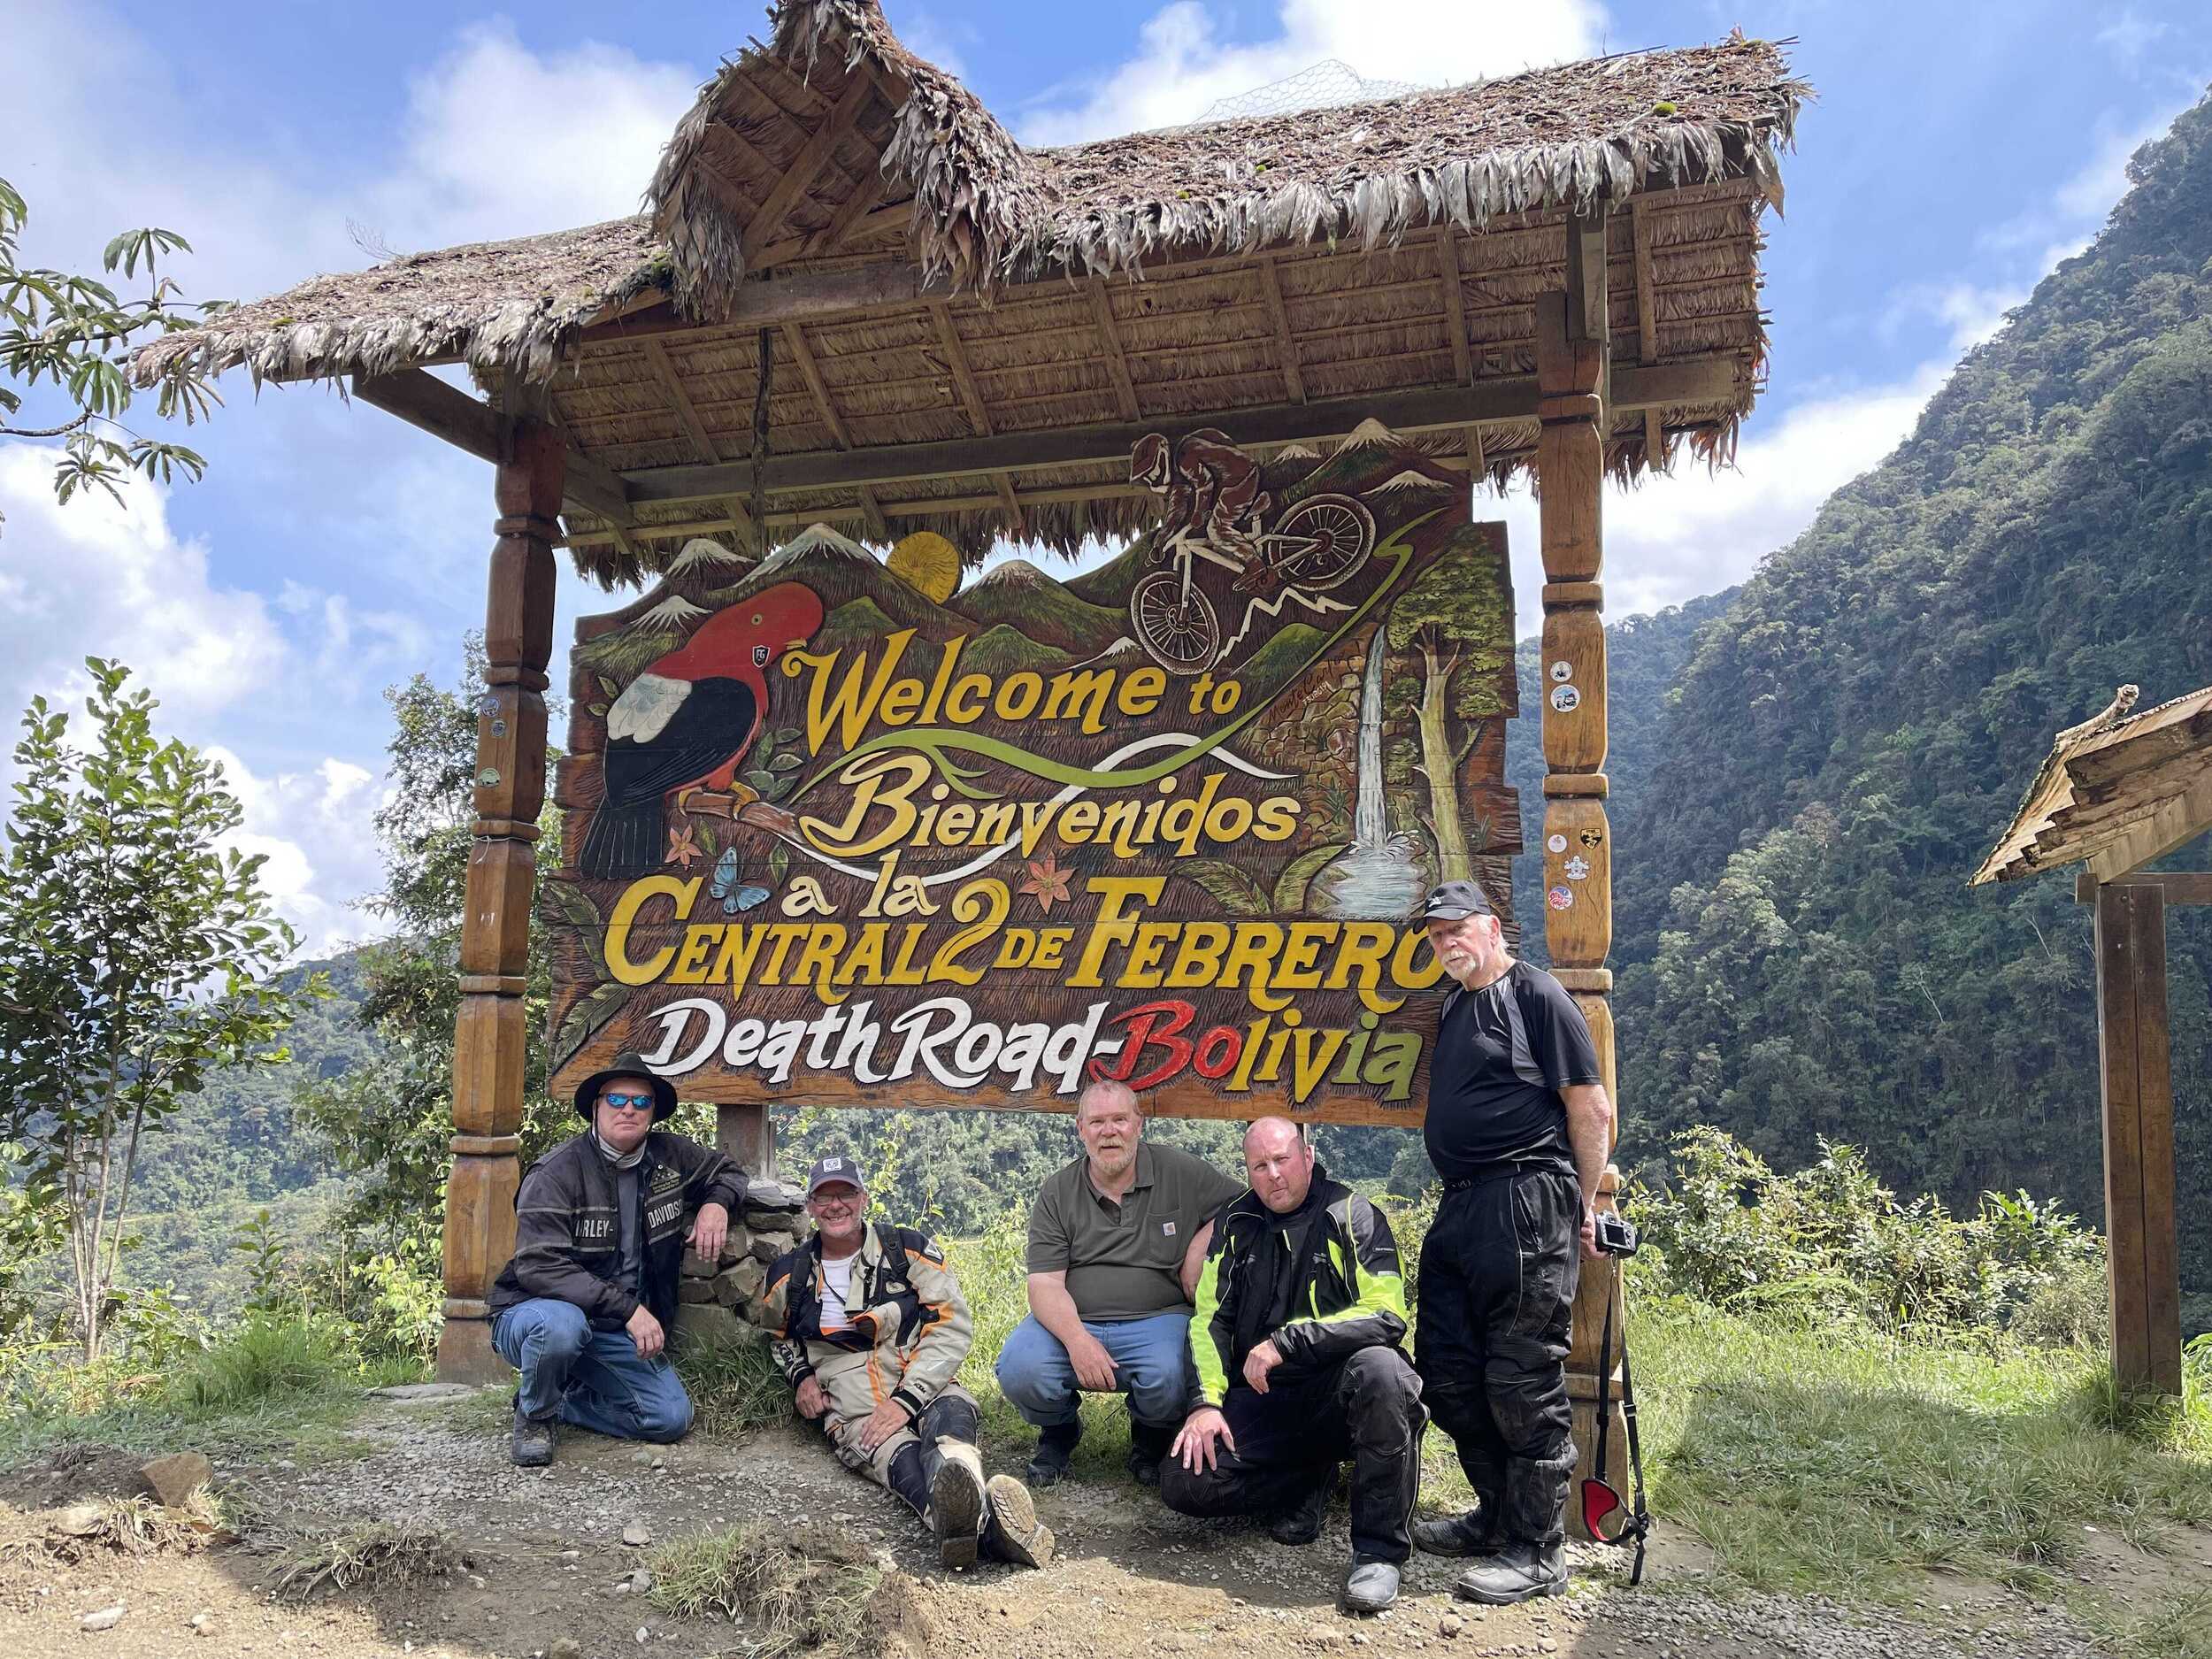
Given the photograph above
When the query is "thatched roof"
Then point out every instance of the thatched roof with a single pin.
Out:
(929, 281)
(2113, 793)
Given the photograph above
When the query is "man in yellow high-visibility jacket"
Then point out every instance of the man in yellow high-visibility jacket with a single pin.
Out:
(1301, 1312)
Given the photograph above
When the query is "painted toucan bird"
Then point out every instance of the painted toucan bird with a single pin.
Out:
(687, 722)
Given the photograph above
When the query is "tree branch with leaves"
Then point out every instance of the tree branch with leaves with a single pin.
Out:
(74, 335)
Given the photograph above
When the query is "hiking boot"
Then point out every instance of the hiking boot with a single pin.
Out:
(531, 1445)
(1149, 1443)
(957, 1503)
(1473, 1534)
(1516, 1572)
(1055, 1449)
(1301, 1524)
(1370, 1587)
(1011, 1530)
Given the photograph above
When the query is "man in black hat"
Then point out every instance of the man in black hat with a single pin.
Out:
(1519, 1128)
(584, 1307)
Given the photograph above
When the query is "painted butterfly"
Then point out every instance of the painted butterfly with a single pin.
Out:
(726, 888)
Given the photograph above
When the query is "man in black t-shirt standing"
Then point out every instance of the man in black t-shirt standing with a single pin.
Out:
(1519, 1128)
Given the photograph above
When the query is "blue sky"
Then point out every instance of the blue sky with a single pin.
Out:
(1955, 152)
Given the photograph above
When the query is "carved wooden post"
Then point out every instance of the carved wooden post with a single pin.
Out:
(490, 1034)
(1572, 374)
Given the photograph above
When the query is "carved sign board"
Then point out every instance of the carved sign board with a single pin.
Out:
(840, 831)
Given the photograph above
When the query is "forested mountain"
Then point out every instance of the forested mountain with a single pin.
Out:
(1644, 656)
(1798, 952)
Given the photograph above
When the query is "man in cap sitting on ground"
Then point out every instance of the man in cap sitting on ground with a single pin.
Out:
(1301, 1312)
(870, 1328)
(584, 1307)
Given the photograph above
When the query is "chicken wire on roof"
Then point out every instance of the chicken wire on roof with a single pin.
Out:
(1323, 87)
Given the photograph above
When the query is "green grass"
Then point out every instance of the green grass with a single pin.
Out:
(271, 1384)
(794, 1588)
(734, 1386)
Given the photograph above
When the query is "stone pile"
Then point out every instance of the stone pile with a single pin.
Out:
(720, 1301)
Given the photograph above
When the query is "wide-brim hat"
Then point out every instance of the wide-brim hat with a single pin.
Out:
(627, 1065)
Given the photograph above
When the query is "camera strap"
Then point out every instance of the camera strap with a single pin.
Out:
(1640, 1522)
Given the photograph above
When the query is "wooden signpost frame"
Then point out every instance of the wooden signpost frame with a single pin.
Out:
(1572, 385)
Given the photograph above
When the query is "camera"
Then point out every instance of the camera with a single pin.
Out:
(1615, 1233)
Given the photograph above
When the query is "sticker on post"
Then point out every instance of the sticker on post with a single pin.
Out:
(1577, 868)
(1555, 844)
(1562, 670)
(1562, 898)
(1565, 699)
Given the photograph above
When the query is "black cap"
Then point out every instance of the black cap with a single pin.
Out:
(1454, 901)
(631, 1064)
(835, 1169)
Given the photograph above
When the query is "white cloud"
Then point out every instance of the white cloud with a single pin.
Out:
(315, 832)
(1182, 64)
(102, 579)
(462, 176)
(1973, 311)
(1670, 538)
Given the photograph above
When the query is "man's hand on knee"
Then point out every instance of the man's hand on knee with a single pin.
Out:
(1204, 1436)
(810, 1400)
(885, 1421)
(1095, 1367)
(646, 1331)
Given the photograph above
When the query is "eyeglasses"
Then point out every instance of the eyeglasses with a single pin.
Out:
(628, 1103)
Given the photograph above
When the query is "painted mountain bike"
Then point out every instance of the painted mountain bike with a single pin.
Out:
(1315, 545)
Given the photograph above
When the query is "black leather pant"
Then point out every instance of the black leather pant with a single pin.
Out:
(1290, 1441)
(1497, 1290)
(950, 1416)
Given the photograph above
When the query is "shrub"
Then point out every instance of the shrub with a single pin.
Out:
(1831, 1241)
(264, 1355)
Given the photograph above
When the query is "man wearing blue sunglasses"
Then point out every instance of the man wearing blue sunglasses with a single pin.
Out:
(584, 1309)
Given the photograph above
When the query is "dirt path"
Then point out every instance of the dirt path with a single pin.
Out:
(546, 1558)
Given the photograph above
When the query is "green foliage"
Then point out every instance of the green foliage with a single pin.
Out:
(387, 1119)
(1831, 1242)
(1797, 954)
(263, 1253)
(135, 961)
(74, 335)
(264, 1356)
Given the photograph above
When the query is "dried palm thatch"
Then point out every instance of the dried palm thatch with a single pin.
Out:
(985, 210)
(499, 306)
(1332, 260)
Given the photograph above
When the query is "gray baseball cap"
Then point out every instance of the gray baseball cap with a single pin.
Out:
(828, 1171)
(1454, 901)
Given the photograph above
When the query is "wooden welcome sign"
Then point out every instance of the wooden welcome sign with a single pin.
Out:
(841, 831)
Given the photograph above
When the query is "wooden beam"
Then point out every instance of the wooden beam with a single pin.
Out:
(2134, 1053)
(806, 167)
(865, 197)
(875, 219)
(1476, 468)
(1455, 304)
(2181, 819)
(1587, 317)
(957, 361)
(695, 428)
(1285, 342)
(2178, 887)
(1117, 360)
(811, 372)
(1010, 500)
(1647, 296)
(918, 507)
(1654, 439)
(421, 399)
(1506, 398)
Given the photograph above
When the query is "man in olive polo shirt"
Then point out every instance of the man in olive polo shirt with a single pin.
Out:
(1116, 1239)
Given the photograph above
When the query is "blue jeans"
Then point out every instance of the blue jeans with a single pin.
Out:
(1152, 1364)
(592, 1378)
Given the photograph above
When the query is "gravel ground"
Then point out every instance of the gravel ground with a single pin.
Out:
(548, 1563)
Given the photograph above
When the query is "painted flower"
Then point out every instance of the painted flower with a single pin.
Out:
(682, 849)
(1048, 882)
